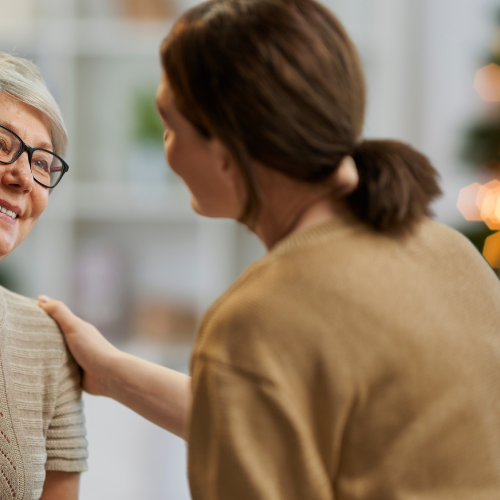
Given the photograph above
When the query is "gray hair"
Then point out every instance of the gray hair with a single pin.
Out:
(22, 80)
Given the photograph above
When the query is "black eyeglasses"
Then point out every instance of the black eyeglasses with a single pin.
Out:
(46, 167)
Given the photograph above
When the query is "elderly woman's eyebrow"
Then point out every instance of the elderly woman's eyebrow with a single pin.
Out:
(45, 145)
(9, 125)
(41, 145)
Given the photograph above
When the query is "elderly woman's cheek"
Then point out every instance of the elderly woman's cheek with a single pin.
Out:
(39, 202)
(8, 241)
(40, 198)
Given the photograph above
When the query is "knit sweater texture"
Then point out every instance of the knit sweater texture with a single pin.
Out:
(350, 365)
(41, 414)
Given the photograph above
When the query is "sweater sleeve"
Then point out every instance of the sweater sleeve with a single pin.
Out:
(248, 440)
(66, 444)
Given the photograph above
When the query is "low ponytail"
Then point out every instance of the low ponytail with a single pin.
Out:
(396, 186)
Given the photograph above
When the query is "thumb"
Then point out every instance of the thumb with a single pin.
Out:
(60, 312)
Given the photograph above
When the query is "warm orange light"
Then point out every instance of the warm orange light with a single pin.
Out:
(491, 250)
(481, 202)
(468, 201)
(489, 201)
(487, 83)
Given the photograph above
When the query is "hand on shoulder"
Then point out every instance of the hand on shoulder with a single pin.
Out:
(90, 349)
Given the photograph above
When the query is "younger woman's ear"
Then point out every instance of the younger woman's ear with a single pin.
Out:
(229, 170)
(346, 178)
(230, 174)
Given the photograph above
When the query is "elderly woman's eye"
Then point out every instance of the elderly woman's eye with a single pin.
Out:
(4, 151)
(41, 165)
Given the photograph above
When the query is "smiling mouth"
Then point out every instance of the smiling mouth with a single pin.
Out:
(10, 213)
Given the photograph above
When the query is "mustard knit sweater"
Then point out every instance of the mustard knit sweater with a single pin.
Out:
(41, 418)
(348, 365)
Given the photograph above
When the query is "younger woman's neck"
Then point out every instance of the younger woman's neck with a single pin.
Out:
(272, 226)
(289, 206)
(323, 210)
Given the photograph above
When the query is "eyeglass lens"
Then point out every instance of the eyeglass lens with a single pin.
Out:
(45, 166)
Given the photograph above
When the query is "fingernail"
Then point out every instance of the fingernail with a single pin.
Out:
(43, 299)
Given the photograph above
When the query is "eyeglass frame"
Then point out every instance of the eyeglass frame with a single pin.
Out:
(30, 152)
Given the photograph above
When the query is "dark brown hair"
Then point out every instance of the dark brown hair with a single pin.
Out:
(280, 82)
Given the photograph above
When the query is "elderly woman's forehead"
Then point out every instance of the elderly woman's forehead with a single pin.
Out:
(24, 119)
(21, 79)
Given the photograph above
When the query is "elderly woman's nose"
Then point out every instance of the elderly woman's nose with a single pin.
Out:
(18, 174)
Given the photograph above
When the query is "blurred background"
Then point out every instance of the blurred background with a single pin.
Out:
(119, 242)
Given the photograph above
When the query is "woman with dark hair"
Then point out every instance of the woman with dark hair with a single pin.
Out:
(359, 359)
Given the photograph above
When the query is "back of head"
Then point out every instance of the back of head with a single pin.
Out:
(280, 82)
(22, 80)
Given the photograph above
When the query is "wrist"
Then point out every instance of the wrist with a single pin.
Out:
(113, 368)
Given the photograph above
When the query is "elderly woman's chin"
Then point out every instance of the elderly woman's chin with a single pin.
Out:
(10, 238)
(22, 200)
(7, 243)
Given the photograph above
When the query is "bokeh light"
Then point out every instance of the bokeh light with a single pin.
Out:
(468, 202)
(491, 250)
(489, 201)
(487, 83)
(481, 202)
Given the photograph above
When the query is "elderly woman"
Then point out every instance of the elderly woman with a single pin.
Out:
(359, 359)
(42, 438)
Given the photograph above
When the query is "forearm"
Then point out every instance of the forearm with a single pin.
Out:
(61, 486)
(159, 394)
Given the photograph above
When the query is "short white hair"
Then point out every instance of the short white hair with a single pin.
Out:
(22, 80)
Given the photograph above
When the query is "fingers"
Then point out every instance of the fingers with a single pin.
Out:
(60, 312)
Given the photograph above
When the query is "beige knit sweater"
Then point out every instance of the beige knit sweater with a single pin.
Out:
(348, 365)
(41, 419)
